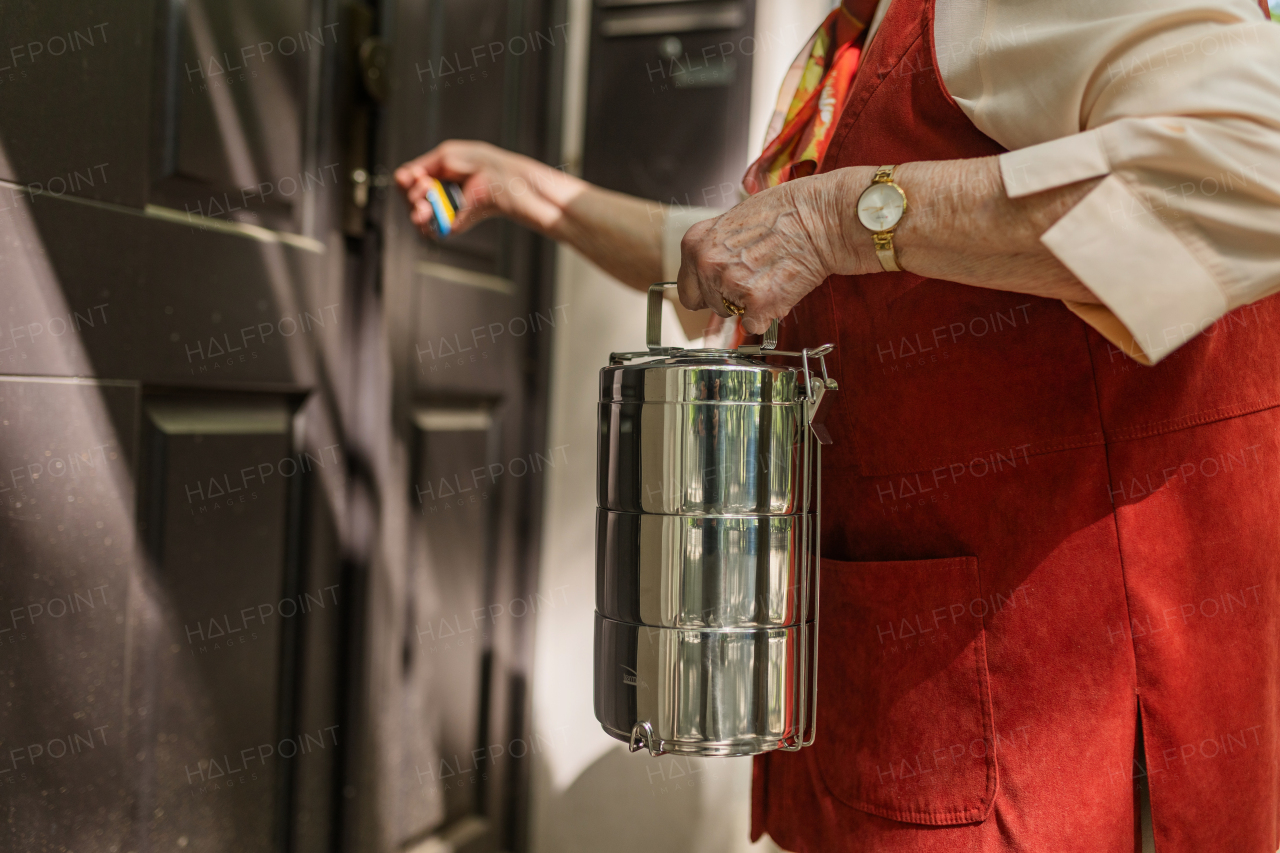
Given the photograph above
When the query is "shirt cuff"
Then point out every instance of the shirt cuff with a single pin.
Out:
(1055, 163)
(1109, 326)
(675, 223)
(1141, 270)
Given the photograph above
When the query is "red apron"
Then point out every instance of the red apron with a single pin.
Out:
(1029, 540)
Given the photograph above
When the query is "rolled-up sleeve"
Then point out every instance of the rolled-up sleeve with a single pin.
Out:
(1177, 103)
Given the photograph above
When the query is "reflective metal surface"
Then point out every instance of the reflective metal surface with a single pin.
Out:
(706, 692)
(702, 458)
(707, 546)
(696, 377)
(679, 571)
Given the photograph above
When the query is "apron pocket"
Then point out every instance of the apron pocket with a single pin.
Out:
(904, 704)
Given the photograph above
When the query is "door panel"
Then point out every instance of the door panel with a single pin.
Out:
(71, 273)
(133, 295)
(79, 72)
(234, 106)
(215, 654)
(232, 309)
(469, 360)
(216, 518)
(171, 358)
(459, 93)
(475, 346)
(448, 639)
(70, 584)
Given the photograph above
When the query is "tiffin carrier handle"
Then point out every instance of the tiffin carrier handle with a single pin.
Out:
(653, 322)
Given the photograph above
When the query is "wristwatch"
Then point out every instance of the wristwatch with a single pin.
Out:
(880, 209)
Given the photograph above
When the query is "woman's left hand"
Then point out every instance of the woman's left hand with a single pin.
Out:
(767, 253)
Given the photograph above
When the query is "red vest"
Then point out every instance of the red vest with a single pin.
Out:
(1029, 540)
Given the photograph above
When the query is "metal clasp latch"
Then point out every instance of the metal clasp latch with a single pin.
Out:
(642, 737)
(819, 392)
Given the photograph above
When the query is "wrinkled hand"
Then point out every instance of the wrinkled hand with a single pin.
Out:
(494, 182)
(767, 253)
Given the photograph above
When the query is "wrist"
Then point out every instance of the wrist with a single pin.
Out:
(539, 196)
(549, 185)
(855, 254)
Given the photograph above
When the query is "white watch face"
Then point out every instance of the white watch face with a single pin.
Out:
(881, 206)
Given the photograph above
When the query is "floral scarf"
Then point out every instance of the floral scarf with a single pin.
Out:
(811, 97)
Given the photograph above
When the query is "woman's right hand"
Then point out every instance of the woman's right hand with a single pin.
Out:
(619, 233)
(493, 181)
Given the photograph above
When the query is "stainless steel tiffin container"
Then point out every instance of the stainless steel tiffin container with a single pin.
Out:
(708, 483)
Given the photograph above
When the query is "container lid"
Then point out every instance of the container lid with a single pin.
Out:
(702, 378)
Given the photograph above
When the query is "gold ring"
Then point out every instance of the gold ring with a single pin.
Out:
(735, 310)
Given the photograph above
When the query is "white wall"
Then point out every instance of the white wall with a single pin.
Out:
(589, 793)
(782, 28)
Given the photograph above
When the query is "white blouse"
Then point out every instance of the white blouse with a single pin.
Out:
(1176, 102)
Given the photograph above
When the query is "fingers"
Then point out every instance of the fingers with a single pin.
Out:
(482, 197)
(687, 287)
(415, 173)
(417, 191)
(699, 281)
(709, 269)
(474, 211)
(420, 215)
(687, 284)
(452, 160)
(713, 296)
(493, 182)
(423, 217)
(414, 170)
(748, 267)
(754, 324)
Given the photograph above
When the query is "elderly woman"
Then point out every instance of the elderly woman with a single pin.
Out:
(1044, 236)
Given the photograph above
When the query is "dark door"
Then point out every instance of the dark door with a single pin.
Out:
(251, 601)
(469, 352)
(174, 348)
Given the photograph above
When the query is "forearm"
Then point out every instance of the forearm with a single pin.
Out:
(622, 235)
(619, 233)
(960, 226)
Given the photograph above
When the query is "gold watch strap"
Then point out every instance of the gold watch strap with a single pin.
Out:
(884, 175)
(885, 252)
